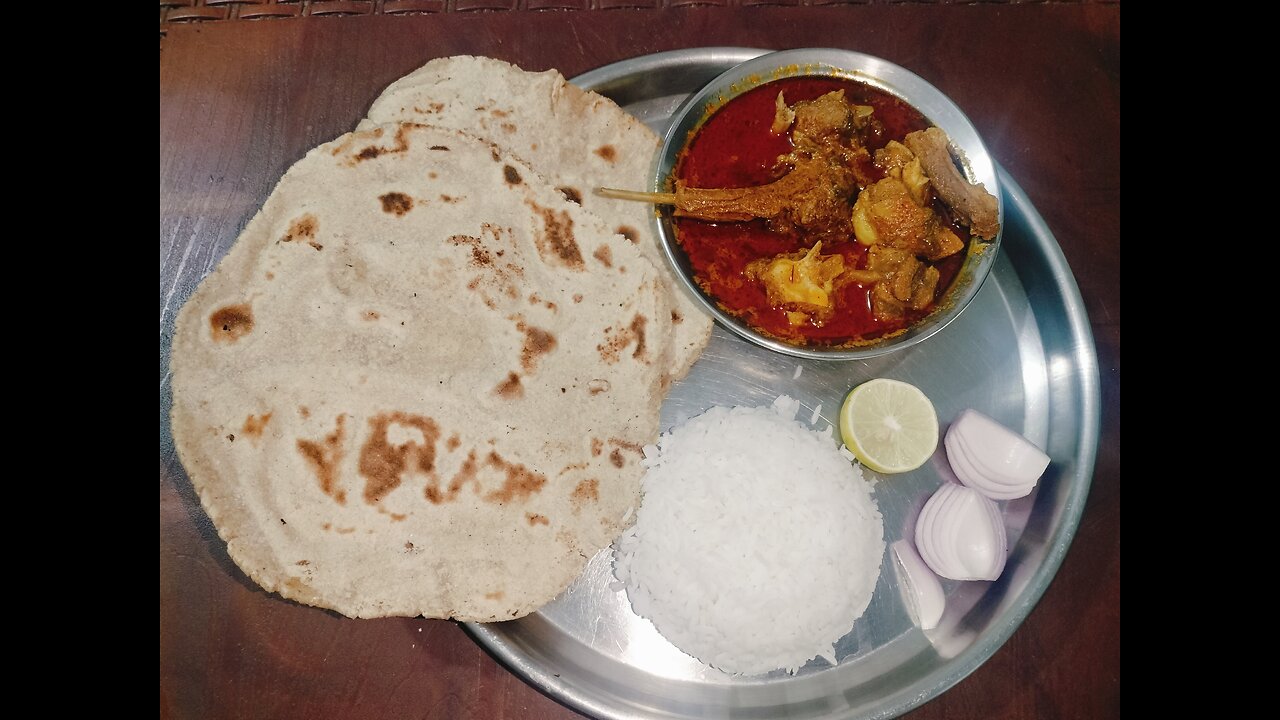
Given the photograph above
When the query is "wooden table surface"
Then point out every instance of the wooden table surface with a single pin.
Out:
(241, 100)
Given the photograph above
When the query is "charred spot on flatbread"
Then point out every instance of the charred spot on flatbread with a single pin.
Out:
(629, 233)
(298, 590)
(346, 145)
(634, 447)
(608, 152)
(324, 456)
(396, 203)
(466, 475)
(303, 228)
(229, 323)
(637, 330)
(537, 342)
(618, 339)
(383, 461)
(511, 175)
(571, 194)
(535, 299)
(510, 389)
(369, 152)
(604, 255)
(536, 519)
(520, 482)
(495, 276)
(555, 242)
(586, 490)
(616, 458)
(255, 424)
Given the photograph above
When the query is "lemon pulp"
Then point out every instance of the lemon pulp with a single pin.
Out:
(889, 425)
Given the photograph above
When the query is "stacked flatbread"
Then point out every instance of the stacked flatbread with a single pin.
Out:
(580, 140)
(420, 380)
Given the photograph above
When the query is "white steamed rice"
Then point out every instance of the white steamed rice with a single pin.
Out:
(757, 544)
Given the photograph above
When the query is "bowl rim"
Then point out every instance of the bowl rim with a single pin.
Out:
(966, 145)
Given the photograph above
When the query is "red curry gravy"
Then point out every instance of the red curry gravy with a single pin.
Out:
(735, 148)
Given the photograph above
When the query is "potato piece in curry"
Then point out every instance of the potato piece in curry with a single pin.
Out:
(802, 283)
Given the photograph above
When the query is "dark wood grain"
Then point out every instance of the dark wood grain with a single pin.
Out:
(241, 101)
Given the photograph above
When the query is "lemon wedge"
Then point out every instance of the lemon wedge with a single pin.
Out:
(889, 425)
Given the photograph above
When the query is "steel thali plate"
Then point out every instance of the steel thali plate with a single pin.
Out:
(1022, 352)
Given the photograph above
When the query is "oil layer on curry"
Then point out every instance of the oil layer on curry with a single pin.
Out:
(822, 211)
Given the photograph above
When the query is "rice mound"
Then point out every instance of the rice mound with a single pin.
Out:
(757, 544)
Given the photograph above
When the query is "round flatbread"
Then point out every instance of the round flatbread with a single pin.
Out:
(577, 139)
(419, 382)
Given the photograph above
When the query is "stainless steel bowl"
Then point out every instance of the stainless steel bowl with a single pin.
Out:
(975, 162)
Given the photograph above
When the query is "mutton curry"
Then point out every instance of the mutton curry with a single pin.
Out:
(825, 212)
